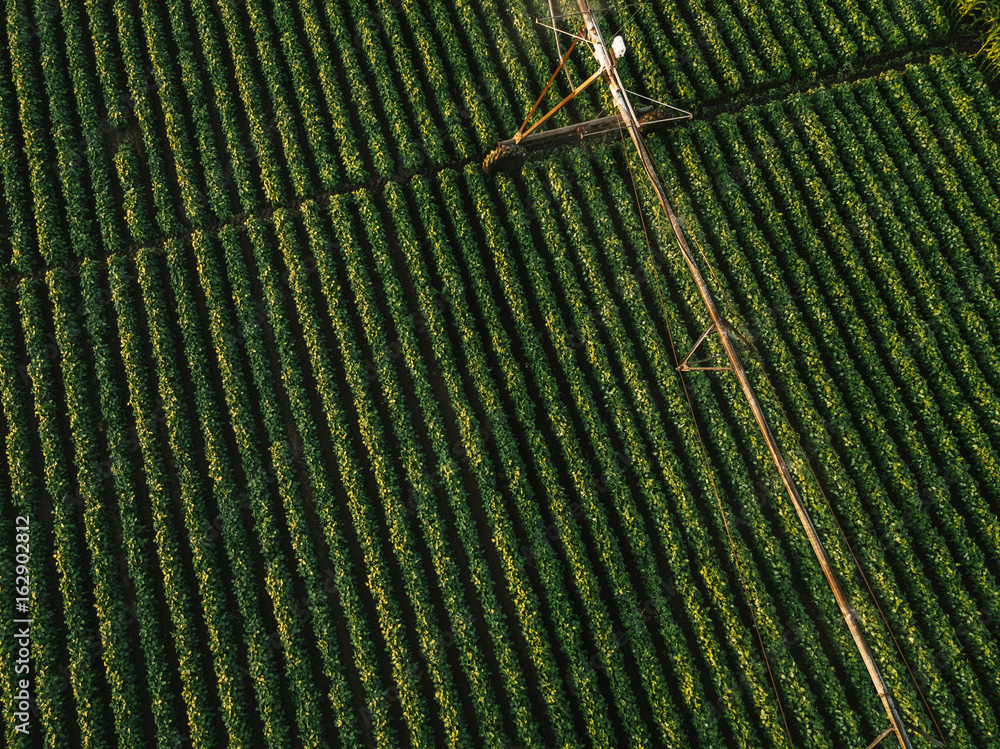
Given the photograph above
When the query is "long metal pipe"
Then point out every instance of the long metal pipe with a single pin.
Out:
(557, 134)
(631, 122)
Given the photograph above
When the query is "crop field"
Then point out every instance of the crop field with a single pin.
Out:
(316, 435)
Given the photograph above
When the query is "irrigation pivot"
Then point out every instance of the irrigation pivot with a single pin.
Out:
(628, 118)
(631, 122)
(510, 153)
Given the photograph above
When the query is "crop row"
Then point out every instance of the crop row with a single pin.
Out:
(278, 458)
(825, 394)
(762, 153)
(151, 119)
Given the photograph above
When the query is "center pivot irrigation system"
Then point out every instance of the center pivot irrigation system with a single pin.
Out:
(510, 153)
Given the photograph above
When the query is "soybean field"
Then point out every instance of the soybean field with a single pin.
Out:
(316, 435)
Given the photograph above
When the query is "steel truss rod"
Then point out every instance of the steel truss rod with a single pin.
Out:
(576, 131)
(521, 134)
(552, 13)
(560, 31)
(618, 93)
(663, 104)
(561, 66)
(878, 739)
(695, 365)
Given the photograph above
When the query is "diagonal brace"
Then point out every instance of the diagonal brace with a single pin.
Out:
(522, 133)
(887, 732)
(694, 366)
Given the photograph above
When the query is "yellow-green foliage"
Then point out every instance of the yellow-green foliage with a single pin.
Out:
(986, 15)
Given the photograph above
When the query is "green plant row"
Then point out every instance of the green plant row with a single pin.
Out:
(761, 145)
(645, 437)
(122, 445)
(400, 542)
(347, 586)
(865, 338)
(40, 153)
(149, 411)
(27, 485)
(139, 86)
(719, 581)
(74, 585)
(91, 480)
(791, 635)
(792, 330)
(284, 502)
